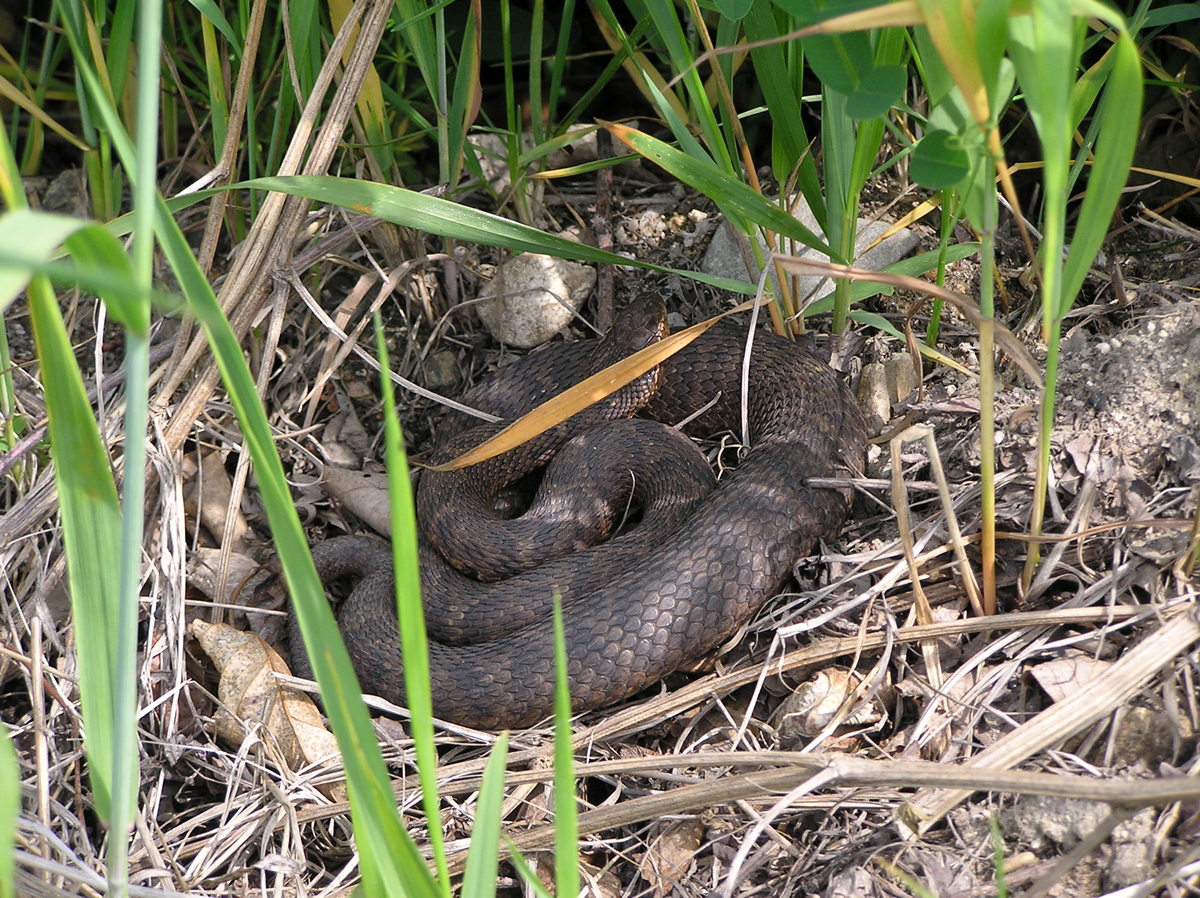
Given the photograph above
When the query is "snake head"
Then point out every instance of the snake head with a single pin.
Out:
(641, 323)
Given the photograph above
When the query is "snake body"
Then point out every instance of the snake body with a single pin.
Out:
(664, 596)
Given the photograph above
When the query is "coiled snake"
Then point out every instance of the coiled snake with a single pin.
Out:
(671, 589)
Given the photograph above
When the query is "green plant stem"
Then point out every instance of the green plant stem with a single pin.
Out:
(1052, 327)
(567, 16)
(14, 198)
(946, 229)
(1045, 431)
(838, 138)
(537, 122)
(7, 390)
(125, 745)
(987, 404)
(513, 137)
(137, 372)
(442, 100)
(10, 810)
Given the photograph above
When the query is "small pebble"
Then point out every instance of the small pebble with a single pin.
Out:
(441, 370)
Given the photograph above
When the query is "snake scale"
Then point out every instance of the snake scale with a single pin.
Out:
(673, 588)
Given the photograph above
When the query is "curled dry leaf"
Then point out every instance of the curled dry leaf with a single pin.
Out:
(248, 587)
(345, 440)
(250, 694)
(815, 704)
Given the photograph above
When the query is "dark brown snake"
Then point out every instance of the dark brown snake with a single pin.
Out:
(670, 590)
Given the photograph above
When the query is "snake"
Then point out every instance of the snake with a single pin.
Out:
(671, 589)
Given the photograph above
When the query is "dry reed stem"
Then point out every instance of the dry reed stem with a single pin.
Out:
(1104, 693)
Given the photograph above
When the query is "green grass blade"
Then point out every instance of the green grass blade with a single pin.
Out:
(36, 235)
(212, 13)
(416, 27)
(546, 147)
(558, 64)
(468, 93)
(447, 219)
(120, 45)
(105, 619)
(618, 59)
(413, 642)
(537, 121)
(391, 862)
(688, 144)
(305, 52)
(1041, 46)
(725, 190)
(1120, 111)
(99, 257)
(838, 137)
(781, 87)
(670, 32)
(136, 316)
(214, 69)
(913, 266)
(437, 216)
(527, 874)
(483, 857)
(566, 814)
(88, 277)
(584, 168)
(91, 520)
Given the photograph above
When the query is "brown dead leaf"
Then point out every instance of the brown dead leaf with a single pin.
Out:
(204, 573)
(594, 882)
(364, 494)
(215, 491)
(250, 694)
(671, 855)
(344, 435)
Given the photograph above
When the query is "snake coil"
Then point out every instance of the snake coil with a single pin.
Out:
(657, 600)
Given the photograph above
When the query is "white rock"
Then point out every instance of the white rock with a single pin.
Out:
(533, 297)
(725, 259)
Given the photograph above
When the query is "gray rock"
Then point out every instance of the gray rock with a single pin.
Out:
(724, 257)
(540, 296)
(1045, 821)
(1132, 851)
(441, 370)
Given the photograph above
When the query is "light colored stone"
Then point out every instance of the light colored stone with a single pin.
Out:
(540, 296)
(724, 257)
(884, 384)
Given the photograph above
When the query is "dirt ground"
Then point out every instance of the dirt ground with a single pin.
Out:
(840, 690)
